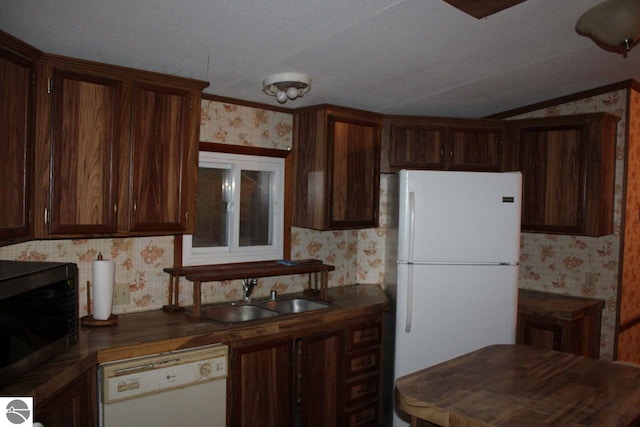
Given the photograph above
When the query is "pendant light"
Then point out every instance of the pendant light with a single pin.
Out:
(614, 25)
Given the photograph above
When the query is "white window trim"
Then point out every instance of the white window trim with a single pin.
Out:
(233, 252)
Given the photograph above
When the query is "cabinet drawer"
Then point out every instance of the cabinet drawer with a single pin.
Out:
(364, 335)
(361, 362)
(367, 415)
(362, 388)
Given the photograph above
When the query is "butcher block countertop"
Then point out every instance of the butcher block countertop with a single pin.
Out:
(517, 385)
(151, 332)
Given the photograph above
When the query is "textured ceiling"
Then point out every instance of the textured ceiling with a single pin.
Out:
(390, 56)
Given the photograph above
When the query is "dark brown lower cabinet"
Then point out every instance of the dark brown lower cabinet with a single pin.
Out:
(328, 377)
(319, 374)
(261, 384)
(74, 406)
(559, 322)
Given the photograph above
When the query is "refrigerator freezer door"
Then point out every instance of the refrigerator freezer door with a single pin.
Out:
(454, 310)
(459, 217)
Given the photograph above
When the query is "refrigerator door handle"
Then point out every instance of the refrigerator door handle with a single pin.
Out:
(412, 220)
(412, 224)
(407, 327)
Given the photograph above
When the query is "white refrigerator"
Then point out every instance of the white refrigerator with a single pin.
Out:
(457, 265)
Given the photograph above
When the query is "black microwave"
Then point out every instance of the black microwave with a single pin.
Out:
(38, 313)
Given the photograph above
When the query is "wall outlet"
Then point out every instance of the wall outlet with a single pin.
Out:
(121, 294)
(590, 281)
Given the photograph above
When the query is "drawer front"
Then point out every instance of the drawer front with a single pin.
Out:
(364, 335)
(367, 415)
(362, 388)
(362, 362)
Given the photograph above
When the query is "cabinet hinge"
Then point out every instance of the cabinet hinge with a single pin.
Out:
(191, 104)
(46, 216)
(50, 85)
(33, 79)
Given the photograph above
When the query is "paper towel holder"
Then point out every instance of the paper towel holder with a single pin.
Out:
(88, 320)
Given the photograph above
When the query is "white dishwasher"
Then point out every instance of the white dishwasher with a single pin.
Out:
(179, 388)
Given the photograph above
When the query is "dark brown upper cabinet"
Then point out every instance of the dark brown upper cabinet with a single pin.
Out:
(567, 165)
(17, 122)
(337, 170)
(116, 151)
(163, 158)
(85, 117)
(410, 142)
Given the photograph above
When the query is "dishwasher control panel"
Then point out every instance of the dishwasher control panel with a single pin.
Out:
(131, 378)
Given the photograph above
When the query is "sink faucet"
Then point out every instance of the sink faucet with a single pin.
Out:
(247, 286)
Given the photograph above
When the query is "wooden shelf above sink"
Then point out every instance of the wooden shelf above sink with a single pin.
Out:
(316, 269)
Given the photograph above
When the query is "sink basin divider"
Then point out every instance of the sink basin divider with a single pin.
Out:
(317, 286)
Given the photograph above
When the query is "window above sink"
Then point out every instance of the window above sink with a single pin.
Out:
(240, 210)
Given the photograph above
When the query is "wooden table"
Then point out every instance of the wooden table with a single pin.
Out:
(520, 386)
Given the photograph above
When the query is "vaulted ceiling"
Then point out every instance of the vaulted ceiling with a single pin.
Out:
(392, 56)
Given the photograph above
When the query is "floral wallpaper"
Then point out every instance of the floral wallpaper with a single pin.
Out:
(225, 123)
(561, 264)
(138, 264)
(629, 340)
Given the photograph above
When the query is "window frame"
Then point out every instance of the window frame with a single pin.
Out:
(282, 233)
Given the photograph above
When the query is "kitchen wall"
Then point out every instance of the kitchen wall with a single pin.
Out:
(356, 255)
(550, 263)
(559, 264)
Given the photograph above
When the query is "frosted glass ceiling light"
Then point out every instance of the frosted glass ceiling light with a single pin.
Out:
(614, 25)
(286, 86)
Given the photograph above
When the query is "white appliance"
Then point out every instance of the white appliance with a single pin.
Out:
(457, 265)
(180, 388)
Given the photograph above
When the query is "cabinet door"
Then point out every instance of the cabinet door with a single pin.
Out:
(16, 138)
(475, 149)
(74, 406)
(552, 164)
(355, 173)
(262, 385)
(442, 143)
(417, 147)
(567, 165)
(321, 380)
(84, 152)
(160, 154)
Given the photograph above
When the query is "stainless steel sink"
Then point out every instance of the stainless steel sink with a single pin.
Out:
(294, 305)
(239, 313)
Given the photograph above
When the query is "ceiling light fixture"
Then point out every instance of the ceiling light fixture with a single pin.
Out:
(286, 86)
(614, 25)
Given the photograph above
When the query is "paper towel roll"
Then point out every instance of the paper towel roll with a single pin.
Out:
(102, 276)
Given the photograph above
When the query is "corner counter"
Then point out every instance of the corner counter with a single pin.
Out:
(559, 322)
